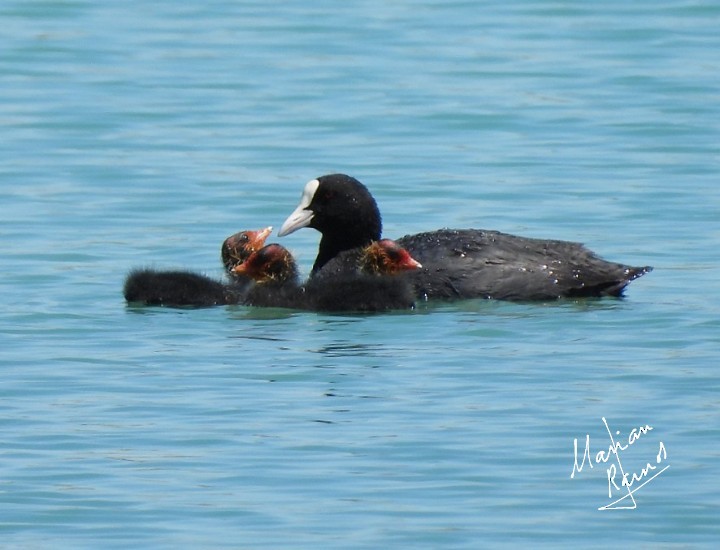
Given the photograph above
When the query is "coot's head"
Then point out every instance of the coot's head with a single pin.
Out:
(342, 209)
(237, 248)
(272, 264)
(386, 257)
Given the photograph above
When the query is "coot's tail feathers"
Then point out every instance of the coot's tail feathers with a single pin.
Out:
(637, 272)
(176, 288)
(611, 287)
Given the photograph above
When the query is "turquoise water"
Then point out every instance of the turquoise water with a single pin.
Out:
(141, 134)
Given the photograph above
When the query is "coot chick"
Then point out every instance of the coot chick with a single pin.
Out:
(238, 247)
(467, 263)
(383, 257)
(275, 275)
(184, 288)
(367, 279)
(177, 288)
(258, 280)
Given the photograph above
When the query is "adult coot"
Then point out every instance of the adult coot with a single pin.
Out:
(466, 263)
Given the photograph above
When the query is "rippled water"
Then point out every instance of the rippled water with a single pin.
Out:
(144, 133)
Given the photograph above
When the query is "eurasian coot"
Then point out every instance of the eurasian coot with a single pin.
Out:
(185, 288)
(178, 288)
(259, 280)
(465, 263)
(275, 274)
(370, 278)
(269, 278)
(383, 257)
(238, 247)
(360, 280)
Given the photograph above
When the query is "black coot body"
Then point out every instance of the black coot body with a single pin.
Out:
(488, 264)
(466, 263)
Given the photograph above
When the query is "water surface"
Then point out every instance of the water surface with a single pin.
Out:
(143, 135)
